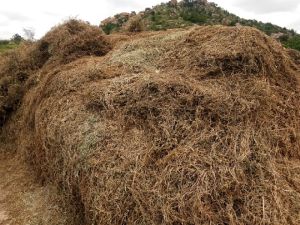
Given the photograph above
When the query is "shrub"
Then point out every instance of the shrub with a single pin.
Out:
(293, 42)
(109, 28)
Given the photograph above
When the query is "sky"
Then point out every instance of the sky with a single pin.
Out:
(41, 15)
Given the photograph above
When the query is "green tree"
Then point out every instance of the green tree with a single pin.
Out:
(16, 38)
(293, 42)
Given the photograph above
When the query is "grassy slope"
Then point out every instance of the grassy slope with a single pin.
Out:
(7, 46)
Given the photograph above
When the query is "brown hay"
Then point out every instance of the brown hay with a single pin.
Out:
(73, 40)
(295, 55)
(183, 127)
(134, 24)
(22, 68)
(15, 68)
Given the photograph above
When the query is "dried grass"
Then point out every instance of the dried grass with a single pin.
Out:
(184, 127)
(15, 68)
(22, 68)
(134, 24)
(295, 55)
(23, 201)
(73, 40)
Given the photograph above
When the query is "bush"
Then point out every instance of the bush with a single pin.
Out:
(109, 28)
(194, 16)
(293, 42)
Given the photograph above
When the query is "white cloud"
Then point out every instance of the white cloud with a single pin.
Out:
(285, 13)
(42, 15)
(296, 24)
(13, 16)
(267, 6)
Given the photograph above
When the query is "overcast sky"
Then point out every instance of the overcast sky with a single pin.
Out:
(42, 15)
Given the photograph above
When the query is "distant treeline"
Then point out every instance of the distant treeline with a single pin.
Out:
(10, 44)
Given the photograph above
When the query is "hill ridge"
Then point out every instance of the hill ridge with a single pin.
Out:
(185, 13)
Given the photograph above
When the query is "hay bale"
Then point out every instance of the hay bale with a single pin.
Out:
(203, 128)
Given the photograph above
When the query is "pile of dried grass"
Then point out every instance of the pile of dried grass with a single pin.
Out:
(73, 40)
(134, 24)
(15, 68)
(183, 127)
(22, 68)
(295, 55)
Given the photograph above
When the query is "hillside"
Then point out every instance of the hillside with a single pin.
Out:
(187, 13)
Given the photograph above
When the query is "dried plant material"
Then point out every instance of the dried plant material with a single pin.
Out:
(21, 68)
(197, 126)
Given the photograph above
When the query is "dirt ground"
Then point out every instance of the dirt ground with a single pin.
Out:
(23, 200)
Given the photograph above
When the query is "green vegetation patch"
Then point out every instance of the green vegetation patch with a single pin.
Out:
(293, 42)
(7, 45)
